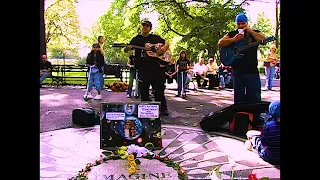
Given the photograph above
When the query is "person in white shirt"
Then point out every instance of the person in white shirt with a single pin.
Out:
(211, 73)
(200, 70)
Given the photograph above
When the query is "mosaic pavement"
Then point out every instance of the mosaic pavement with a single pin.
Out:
(64, 152)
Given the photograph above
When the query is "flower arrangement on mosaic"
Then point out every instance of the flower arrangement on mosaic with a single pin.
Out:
(215, 173)
(119, 87)
(130, 153)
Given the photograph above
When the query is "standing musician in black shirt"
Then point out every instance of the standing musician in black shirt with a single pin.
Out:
(150, 72)
(246, 78)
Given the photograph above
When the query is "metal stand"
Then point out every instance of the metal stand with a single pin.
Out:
(136, 90)
(183, 93)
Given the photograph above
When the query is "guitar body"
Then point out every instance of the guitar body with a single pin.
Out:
(158, 56)
(230, 54)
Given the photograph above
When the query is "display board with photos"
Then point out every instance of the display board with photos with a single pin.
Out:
(122, 124)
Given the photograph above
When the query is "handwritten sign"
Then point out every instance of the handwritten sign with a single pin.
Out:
(148, 111)
(115, 115)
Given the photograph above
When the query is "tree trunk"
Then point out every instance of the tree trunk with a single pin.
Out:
(43, 49)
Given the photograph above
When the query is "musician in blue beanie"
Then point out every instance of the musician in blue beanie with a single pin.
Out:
(267, 145)
(246, 78)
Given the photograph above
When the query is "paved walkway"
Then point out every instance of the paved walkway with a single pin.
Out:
(66, 151)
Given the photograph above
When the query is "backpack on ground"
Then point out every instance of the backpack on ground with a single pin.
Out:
(216, 119)
(241, 123)
(85, 117)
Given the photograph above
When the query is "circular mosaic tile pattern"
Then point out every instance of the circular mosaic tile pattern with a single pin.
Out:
(64, 152)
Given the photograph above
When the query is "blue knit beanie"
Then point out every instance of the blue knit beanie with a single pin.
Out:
(241, 18)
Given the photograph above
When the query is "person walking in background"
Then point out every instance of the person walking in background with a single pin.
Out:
(95, 60)
(270, 64)
(101, 41)
(45, 69)
(182, 66)
(171, 73)
(132, 75)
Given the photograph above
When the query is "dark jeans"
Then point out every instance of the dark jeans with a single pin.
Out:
(179, 80)
(198, 78)
(131, 78)
(213, 81)
(247, 89)
(156, 79)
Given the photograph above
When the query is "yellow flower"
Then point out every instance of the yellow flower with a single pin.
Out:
(121, 152)
(132, 169)
(123, 148)
(132, 163)
(131, 157)
(124, 156)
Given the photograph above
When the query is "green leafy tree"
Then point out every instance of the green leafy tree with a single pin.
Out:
(199, 24)
(265, 26)
(62, 28)
(118, 25)
(195, 26)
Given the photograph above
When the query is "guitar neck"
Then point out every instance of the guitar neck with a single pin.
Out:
(250, 45)
(140, 47)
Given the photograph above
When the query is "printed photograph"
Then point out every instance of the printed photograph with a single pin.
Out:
(123, 124)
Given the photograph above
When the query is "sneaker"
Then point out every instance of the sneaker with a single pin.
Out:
(178, 95)
(98, 97)
(128, 96)
(87, 95)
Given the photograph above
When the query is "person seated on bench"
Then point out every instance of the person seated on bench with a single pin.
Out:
(211, 73)
(225, 75)
(267, 143)
(200, 70)
(45, 69)
(188, 79)
(95, 60)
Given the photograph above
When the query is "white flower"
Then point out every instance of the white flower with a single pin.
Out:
(137, 149)
(232, 162)
(214, 177)
(214, 174)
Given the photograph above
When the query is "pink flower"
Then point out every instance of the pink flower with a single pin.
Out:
(156, 156)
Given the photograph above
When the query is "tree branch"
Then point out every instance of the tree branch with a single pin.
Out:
(169, 27)
(182, 9)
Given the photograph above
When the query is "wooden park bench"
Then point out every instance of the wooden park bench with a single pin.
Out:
(59, 73)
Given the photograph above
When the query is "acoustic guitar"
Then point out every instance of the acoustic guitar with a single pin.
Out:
(230, 54)
(152, 50)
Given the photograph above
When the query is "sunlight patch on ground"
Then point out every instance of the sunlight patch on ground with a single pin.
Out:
(54, 96)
